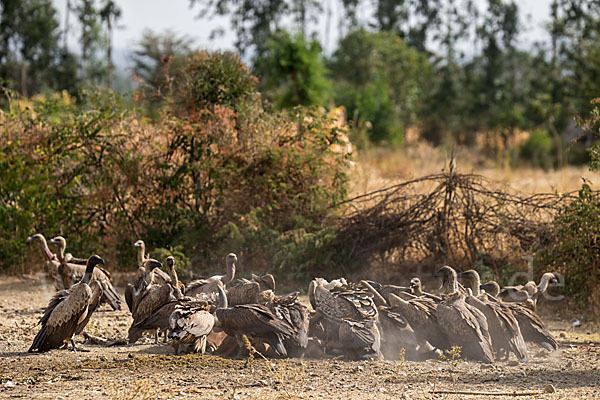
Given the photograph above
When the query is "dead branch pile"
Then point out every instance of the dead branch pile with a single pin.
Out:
(463, 220)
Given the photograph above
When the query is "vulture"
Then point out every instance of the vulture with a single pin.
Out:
(149, 276)
(71, 270)
(68, 257)
(291, 311)
(211, 285)
(463, 324)
(255, 321)
(397, 334)
(190, 324)
(160, 276)
(68, 312)
(420, 313)
(531, 326)
(51, 263)
(529, 293)
(151, 298)
(502, 325)
(349, 317)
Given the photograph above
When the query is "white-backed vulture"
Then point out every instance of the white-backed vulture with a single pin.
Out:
(502, 325)
(70, 273)
(531, 326)
(352, 304)
(66, 313)
(256, 322)
(211, 285)
(291, 311)
(463, 325)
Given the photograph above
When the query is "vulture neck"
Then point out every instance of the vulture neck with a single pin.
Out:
(140, 255)
(46, 249)
(418, 289)
(222, 302)
(175, 282)
(543, 286)
(89, 270)
(61, 251)
(230, 273)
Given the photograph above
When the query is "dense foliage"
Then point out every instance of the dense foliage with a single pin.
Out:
(218, 175)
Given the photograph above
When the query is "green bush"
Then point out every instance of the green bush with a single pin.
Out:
(574, 250)
(539, 150)
(217, 175)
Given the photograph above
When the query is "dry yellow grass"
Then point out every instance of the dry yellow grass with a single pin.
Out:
(382, 167)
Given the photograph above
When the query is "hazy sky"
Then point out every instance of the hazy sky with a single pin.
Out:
(176, 15)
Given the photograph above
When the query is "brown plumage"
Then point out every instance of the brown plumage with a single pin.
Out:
(149, 277)
(243, 292)
(396, 334)
(256, 322)
(420, 313)
(212, 284)
(531, 326)
(502, 325)
(51, 262)
(347, 310)
(71, 270)
(266, 282)
(66, 314)
(463, 325)
(150, 299)
(296, 315)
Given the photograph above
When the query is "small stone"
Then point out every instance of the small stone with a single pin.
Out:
(513, 363)
(549, 388)
(562, 335)
(9, 384)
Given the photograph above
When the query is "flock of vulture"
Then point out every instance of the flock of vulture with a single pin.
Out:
(356, 321)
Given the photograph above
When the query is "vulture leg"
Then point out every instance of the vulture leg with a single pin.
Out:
(75, 348)
(156, 336)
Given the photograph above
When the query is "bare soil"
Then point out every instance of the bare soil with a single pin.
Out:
(149, 371)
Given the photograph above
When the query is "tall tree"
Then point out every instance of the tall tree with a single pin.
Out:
(29, 44)
(255, 21)
(109, 14)
(92, 68)
(292, 71)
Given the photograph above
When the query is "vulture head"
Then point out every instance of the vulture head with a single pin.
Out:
(492, 288)
(449, 279)
(170, 262)
(38, 237)
(151, 263)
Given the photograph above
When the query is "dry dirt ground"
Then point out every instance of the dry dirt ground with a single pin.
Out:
(152, 371)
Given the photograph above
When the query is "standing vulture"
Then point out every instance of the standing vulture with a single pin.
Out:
(70, 273)
(66, 314)
(211, 285)
(502, 324)
(463, 325)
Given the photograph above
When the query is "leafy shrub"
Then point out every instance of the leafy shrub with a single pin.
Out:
(539, 149)
(574, 250)
(216, 173)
